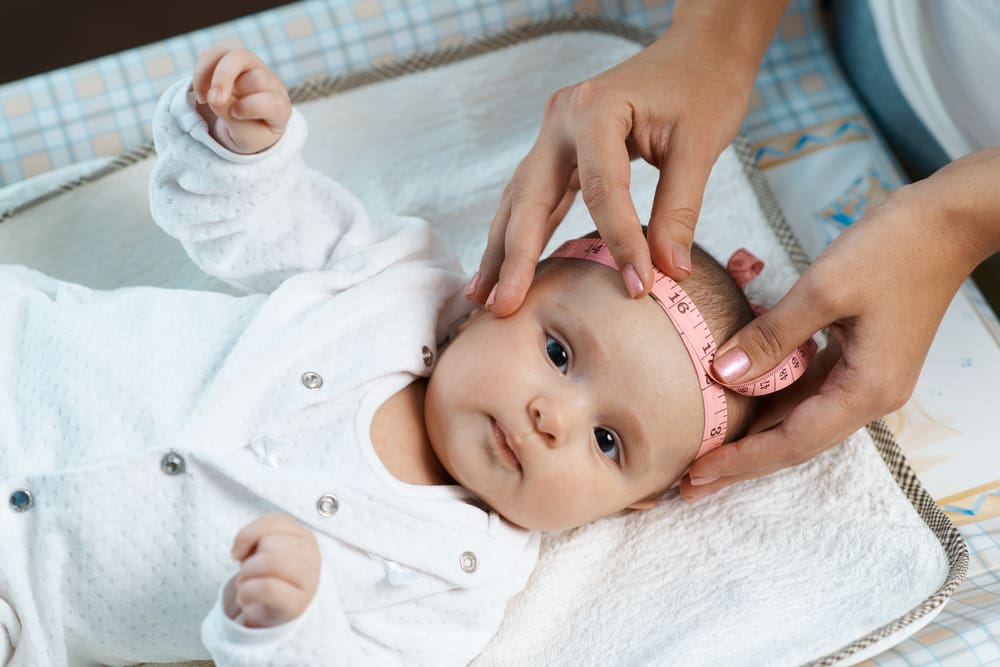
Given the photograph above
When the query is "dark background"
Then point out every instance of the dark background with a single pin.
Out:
(38, 35)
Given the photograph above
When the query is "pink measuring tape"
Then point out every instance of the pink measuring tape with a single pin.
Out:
(697, 338)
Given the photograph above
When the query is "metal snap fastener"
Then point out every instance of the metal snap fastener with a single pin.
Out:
(21, 501)
(312, 380)
(427, 355)
(468, 561)
(172, 463)
(327, 505)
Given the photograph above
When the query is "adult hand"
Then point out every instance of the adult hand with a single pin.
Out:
(882, 288)
(677, 104)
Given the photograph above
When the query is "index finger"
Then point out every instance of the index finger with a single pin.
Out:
(536, 191)
(247, 539)
(605, 174)
(677, 204)
(228, 69)
(201, 75)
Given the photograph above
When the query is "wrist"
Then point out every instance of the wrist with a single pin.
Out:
(743, 29)
(962, 199)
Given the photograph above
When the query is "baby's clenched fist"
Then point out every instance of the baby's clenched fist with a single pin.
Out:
(279, 572)
(243, 101)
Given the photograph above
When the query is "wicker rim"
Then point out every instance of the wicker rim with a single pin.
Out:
(885, 443)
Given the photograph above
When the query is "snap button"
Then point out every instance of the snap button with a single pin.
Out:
(172, 463)
(312, 380)
(427, 355)
(468, 561)
(21, 501)
(327, 505)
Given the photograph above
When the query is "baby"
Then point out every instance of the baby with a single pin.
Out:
(382, 496)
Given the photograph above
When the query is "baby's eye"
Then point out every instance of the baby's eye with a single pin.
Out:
(607, 442)
(557, 353)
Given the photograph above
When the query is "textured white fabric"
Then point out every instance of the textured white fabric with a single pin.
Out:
(945, 58)
(118, 561)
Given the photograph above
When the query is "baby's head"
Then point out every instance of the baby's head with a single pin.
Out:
(585, 401)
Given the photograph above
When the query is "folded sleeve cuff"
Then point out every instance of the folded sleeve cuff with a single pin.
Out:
(219, 629)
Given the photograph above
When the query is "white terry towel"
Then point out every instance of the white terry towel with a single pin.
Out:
(775, 571)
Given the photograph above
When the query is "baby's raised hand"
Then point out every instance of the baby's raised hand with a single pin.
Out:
(243, 101)
(279, 572)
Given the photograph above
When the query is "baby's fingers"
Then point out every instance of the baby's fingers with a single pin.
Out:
(271, 108)
(227, 70)
(266, 602)
(201, 78)
(247, 540)
(293, 559)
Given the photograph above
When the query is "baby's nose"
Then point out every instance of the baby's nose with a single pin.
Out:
(552, 418)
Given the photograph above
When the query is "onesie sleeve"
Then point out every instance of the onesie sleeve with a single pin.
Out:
(253, 220)
(440, 629)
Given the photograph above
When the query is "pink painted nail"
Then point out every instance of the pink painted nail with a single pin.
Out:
(681, 255)
(732, 365)
(491, 299)
(473, 285)
(632, 281)
(698, 481)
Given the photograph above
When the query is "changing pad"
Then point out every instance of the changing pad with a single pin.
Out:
(827, 562)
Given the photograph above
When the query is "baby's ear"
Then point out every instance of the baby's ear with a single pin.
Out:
(647, 504)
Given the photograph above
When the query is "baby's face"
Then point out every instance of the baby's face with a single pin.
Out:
(579, 405)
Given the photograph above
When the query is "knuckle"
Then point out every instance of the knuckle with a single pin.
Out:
(263, 590)
(519, 259)
(794, 452)
(555, 99)
(515, 188)
(765, 337)
(620, 247)
(849, 400)
(827, 294)
(685, 217)
(595, 191)
(586, 96)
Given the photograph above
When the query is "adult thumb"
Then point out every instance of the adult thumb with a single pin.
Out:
(765, 342)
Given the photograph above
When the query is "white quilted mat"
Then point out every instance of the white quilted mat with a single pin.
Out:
(776, 571)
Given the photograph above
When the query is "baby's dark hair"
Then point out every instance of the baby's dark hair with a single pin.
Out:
(726, 310)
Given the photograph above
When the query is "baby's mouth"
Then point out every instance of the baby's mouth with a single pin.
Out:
(503, 447)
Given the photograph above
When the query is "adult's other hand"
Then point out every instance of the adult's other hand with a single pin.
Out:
(882, 288)
(677, 104)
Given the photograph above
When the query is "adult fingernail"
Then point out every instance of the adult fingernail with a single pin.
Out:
(632, 281)
(681, 255)
(491, 299)
(698, 481)
(732, 365)
(473, 285)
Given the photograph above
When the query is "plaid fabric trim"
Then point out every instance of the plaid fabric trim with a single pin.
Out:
(937, 521)
(328, 85)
